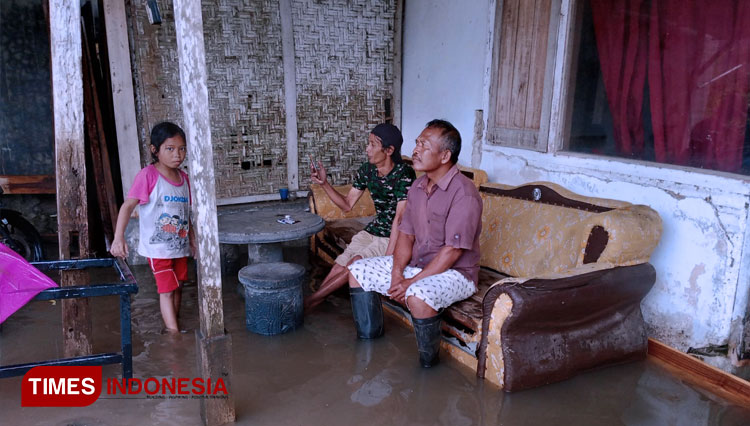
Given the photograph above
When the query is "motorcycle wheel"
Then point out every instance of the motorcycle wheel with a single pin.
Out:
(21, 236)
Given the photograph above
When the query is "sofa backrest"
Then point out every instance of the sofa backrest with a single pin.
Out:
(321, 205)
(543, 228)
(478, 176)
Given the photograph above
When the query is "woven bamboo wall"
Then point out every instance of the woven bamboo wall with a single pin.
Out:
(344, 63)
(344, 76)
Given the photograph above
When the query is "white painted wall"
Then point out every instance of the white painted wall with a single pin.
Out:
(701, 292)
(443, 75)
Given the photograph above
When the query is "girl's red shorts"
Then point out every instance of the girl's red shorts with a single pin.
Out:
(168, 273)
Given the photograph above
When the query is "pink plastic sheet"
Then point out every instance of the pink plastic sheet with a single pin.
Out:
(19, 282)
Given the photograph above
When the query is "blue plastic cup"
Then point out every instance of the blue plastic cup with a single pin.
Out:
(284, 193)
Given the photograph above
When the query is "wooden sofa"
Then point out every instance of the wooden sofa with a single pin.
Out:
(560, 286)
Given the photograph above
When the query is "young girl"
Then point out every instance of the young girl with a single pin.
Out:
(162, 191)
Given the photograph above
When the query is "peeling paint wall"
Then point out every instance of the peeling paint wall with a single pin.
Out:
(699, 261)
(701, 291)
(444, 53)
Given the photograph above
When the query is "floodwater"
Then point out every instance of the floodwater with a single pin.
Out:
(322, 375)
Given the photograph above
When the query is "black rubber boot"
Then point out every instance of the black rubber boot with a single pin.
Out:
(428, 335)
(368, 313)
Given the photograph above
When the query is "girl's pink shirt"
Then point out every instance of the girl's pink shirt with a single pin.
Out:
(145, 181)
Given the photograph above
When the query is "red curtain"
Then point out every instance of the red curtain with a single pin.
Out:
(697, 58)
(699, 78)
(621, 30)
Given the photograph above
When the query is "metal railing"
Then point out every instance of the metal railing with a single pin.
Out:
(124, 289)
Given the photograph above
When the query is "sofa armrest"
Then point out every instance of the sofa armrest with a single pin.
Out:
(627, 236)
(322, 205)
(543, 330)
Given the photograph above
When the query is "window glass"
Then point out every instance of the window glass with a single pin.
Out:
(663, 80)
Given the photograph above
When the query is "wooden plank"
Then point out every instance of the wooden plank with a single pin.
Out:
(698, 373)
(514, 137)
(118, 52)
(215, 350)
(540, 34)
(563, 66)
(98, 144)
(522, 64)
(506, 54)
(72, 208)
(555, 17)
(31, 184)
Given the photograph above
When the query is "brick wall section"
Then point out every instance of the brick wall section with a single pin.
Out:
(344, 59)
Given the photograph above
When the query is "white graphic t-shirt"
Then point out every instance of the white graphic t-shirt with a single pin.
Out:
(164, 210)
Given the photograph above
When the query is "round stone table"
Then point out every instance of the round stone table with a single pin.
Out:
(262, 233)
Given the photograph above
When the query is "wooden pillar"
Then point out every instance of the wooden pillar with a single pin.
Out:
(290, 93)
(398, 60)
(214, 347)
(72, 209)
(476, 141)
(122, 91)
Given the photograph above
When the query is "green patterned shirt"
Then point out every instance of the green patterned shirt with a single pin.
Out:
(386, 192)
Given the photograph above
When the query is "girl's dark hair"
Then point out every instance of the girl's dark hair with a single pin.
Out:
(162, 132)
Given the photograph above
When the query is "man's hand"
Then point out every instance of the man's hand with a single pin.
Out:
(318, 175)
(119, 248)
(397, 291)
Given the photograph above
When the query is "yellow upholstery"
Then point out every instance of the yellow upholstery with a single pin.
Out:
(634, 233)
(322, 205)
(525, 238)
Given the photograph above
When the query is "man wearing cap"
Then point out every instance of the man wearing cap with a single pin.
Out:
(436, 259)
(388, 179)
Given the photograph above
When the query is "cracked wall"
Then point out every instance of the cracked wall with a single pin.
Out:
(701, 272)
(701, 293)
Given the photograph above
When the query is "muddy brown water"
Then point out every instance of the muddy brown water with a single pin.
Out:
(322, 375)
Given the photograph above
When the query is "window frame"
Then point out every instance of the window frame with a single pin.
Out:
(560, 119)
(497, 135)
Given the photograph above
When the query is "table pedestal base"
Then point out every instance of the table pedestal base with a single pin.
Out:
(264, 253)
